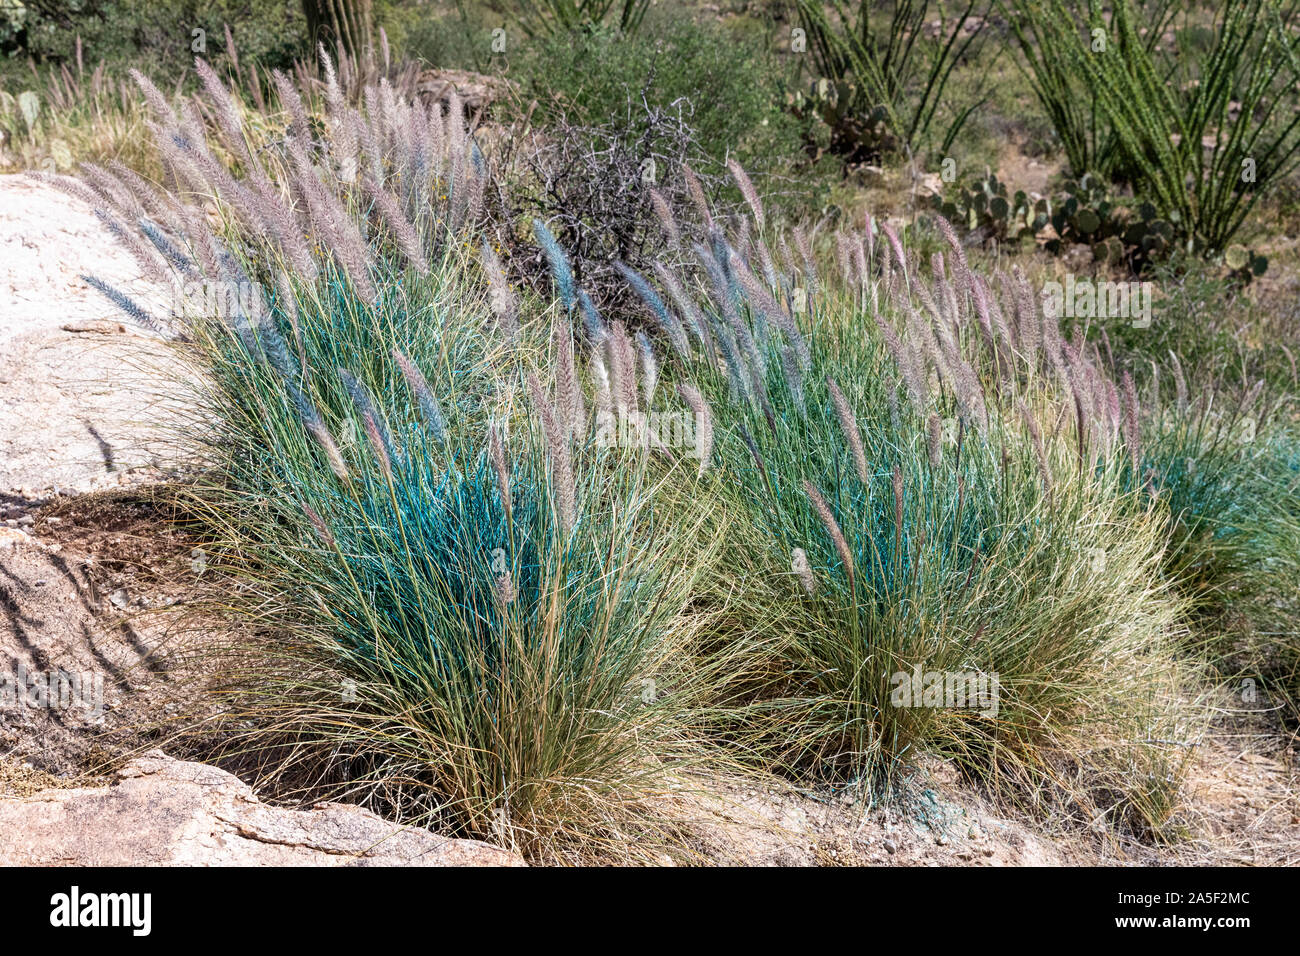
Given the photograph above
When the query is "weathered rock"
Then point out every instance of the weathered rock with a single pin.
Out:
(80, 403)
(11, 537)
(474, 89)
(162, 811)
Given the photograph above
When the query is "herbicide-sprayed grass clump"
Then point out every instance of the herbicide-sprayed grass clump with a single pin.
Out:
(924, 486)
(465, 610)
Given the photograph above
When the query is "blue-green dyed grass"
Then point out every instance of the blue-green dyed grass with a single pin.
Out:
(472, 709)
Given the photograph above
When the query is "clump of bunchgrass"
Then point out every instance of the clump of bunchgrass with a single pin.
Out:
(460, 633)
(73, 114)
(1226, 466)
(461, 606)
(921, 476)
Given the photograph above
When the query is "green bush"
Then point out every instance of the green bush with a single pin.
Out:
(731, 88)
(445, 40)
(161, 35)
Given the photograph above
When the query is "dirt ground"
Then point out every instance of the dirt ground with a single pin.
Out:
(91, 594)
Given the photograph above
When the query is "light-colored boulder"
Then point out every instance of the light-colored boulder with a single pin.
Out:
(167, 812)
(81, 387)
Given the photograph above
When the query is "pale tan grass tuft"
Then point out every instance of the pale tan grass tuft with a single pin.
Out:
(703, 423)
(497, 454)
(849, 426)
(833, 529)
(799, 564)
(558, 450)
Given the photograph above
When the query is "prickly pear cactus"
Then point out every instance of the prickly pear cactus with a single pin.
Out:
(858, 132)
(984, 206)
(1119, 232)
(1244, 264)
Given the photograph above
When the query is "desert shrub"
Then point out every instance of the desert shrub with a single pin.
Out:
(733, 85)
(130, 32)
(453, 39)
(607, 192)
(619, 118)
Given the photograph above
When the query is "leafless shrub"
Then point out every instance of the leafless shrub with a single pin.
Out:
(611, 193)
